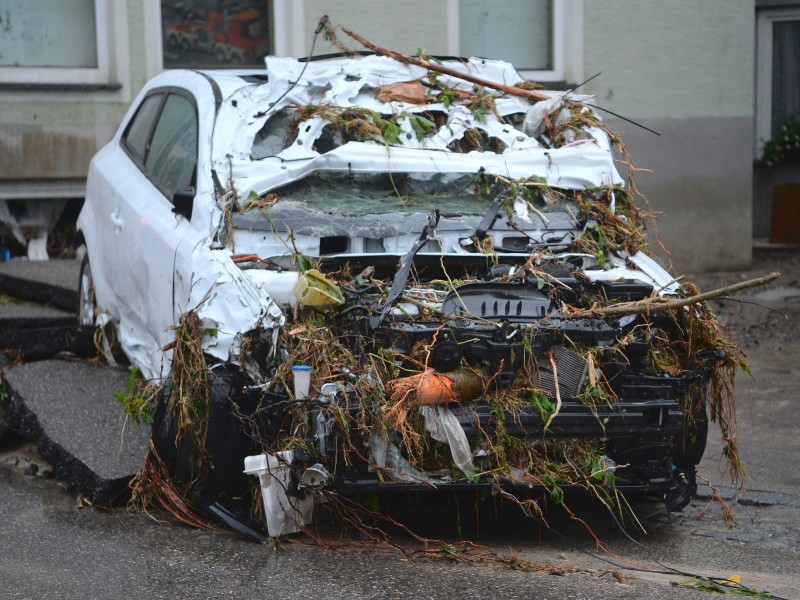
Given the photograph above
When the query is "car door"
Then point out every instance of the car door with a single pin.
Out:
(138, 237)
(148, 229)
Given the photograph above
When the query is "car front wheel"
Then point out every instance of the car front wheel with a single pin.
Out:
(87, 307)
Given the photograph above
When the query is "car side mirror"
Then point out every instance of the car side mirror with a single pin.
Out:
(182, 203)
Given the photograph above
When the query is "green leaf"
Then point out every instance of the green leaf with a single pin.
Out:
(481, 112)
(390, 131)
(421, 125)
(542, 404)
(304, 262)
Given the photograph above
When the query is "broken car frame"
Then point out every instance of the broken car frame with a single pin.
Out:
(460, 268)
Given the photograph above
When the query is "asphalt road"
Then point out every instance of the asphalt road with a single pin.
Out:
(52, 546)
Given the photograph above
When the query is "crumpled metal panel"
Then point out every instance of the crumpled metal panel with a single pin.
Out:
(353, 82)
(229, 304)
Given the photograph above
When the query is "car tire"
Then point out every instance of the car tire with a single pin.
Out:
(227, 440)
(87, 305)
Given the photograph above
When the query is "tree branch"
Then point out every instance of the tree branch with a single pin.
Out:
(659, 304)
(431, 66)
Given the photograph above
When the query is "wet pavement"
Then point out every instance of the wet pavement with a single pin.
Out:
(55, 544)
(85, 434)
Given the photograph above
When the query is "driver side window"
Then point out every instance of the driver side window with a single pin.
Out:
(172, 157)
(166, 153)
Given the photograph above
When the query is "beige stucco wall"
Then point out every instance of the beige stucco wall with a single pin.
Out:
(684, 68)
(404, 26)
(51, 133)
(677, 59)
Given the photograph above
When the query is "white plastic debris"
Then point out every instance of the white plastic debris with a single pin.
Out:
(314, 477)
(535, 124)
(302, 381)
(284, 514)
(387, 456)
(444, 427)
(37, 247)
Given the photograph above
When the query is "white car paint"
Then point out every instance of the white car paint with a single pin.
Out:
(150, 265)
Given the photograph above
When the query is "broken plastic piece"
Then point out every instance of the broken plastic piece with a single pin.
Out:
(387, 456)
(314, 477)
(235, 518)
(284, 514)
(315, 291)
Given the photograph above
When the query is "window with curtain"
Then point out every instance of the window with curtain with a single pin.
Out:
(519, 31)
(43, 33)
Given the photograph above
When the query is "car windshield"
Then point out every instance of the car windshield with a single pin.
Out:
(358, 194)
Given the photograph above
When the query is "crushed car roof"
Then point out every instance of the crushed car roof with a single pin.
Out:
(355, 82)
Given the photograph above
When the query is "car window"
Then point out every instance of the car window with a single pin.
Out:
(138, 132)
(172, 156)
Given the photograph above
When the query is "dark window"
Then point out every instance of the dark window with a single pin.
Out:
(172, 157)
(785, 74)
(138, 132)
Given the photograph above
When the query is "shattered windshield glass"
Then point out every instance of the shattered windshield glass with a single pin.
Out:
(358, 194)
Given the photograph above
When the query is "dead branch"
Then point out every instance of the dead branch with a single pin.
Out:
(659, 304)
(432, 66)
(558, 393)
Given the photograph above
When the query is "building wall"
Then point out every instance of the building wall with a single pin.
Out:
(49, 132)
(685, 69)
(403, 26)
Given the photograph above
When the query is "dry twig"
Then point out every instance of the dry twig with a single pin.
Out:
(439, 68)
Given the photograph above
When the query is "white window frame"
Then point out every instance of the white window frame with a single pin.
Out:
(559, 70)
(71, 75)
(287, 17)
(290, 38)
(764, 30)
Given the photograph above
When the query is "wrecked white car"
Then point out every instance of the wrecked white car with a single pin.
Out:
(459, 268)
